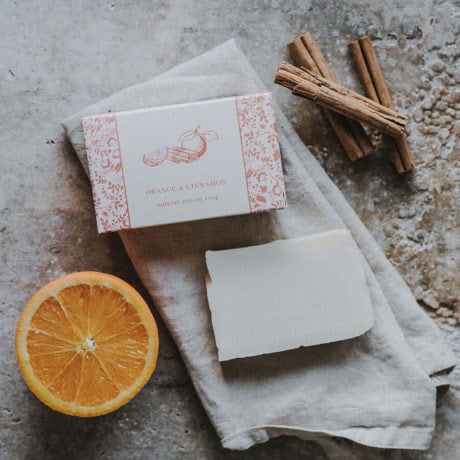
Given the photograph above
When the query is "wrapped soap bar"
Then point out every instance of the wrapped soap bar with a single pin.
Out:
(286, 294)
(184, 162)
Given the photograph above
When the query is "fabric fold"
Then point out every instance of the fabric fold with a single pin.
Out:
(375, 389)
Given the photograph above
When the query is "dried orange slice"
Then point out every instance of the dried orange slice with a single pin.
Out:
(86, 344)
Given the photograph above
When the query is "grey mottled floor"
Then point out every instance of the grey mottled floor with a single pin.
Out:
(57, 57)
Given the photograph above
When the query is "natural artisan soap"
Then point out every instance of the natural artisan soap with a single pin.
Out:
(184, 162)
(287, 294)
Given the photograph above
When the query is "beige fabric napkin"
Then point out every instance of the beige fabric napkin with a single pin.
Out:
(378, 389)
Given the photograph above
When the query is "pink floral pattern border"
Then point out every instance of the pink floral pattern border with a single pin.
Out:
(106, 172)
(261, 152)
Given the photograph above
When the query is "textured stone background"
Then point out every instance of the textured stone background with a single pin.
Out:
(57, 57)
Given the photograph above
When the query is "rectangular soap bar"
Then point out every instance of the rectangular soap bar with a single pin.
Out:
(184, 162)
(286, 294)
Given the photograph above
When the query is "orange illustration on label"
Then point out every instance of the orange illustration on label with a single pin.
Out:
(193, 145)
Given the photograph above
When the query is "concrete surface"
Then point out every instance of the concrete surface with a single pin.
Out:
(57, 57)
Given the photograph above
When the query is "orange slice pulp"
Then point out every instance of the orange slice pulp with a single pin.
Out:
(86, 343)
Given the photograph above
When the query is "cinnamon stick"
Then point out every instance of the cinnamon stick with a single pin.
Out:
(375, 71)
(373, 81)
(302, 58)
(340, 99)
(317, 56)
(305, 74)
(366, 80)
(305, 53)
(363, 71)
(368, 85)
(325, 71)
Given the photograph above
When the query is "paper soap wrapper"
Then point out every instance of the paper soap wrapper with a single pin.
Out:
(184, 162)
(287, 294)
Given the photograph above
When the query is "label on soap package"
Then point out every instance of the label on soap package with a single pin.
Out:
(184, 162)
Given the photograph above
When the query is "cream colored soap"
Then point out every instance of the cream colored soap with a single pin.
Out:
(286, 294)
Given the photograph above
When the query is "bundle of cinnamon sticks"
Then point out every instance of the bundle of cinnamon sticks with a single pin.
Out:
(345, 109)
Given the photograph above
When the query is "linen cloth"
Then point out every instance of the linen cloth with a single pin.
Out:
(378, 389)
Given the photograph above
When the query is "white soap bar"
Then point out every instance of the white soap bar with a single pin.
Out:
(287, 294)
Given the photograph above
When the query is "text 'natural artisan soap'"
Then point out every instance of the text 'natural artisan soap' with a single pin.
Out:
(286, 294)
